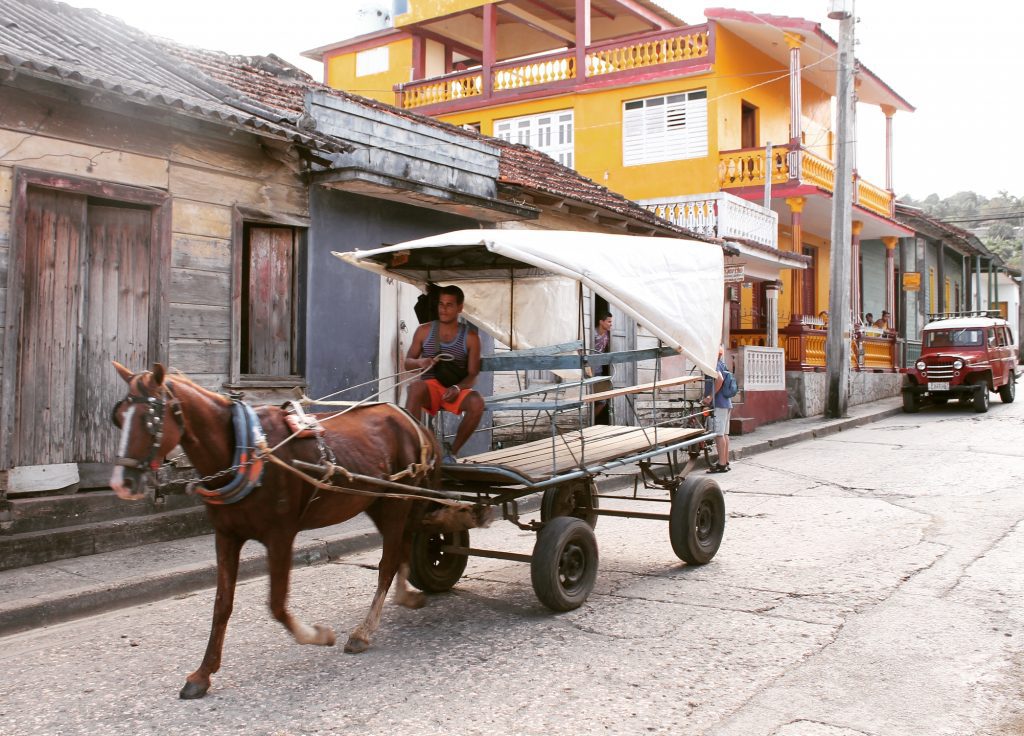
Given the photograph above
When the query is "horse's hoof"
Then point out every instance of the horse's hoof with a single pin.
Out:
(193, 690)
(325, 635)
(413, 599)
(356, 646)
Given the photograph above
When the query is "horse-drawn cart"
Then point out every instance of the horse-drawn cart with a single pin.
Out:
(530, 290)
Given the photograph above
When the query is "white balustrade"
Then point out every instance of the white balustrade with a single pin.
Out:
(719, 214)
(764, 369)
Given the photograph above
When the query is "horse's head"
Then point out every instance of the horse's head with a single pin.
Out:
(146, 436)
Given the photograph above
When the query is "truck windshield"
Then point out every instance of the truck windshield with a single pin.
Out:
(952, 338)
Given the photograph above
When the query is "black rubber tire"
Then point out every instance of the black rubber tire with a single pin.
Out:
(1008, 392)
(981, 398)
(911, 402)
(940, 399)
(432, 570)
(564, 564)
(697, 520)
(571, 499)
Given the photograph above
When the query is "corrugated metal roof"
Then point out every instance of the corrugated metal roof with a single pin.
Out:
(88, 49)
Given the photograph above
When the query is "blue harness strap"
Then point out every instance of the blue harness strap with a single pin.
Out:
(249, 437)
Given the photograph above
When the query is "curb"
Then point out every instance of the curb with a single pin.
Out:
(58, 608)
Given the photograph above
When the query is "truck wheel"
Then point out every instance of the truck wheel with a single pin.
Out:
(433, 570)
(576, 498)
(563, 568)
(981, 398)
(697, 520)
(1007, 392)
(911, 402)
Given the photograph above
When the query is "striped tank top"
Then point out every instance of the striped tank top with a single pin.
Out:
(450, 372)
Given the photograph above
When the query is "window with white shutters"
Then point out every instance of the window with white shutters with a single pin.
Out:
(549, 132)
(666, 128)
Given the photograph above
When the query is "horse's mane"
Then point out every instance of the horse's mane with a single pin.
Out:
(181, 378)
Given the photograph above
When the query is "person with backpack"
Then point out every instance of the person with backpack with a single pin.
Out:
(718, 393)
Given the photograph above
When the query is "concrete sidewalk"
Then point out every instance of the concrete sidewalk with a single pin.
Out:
(46, 594)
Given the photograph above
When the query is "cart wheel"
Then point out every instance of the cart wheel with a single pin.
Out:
(564, 564)
(697, 520)
(981, 398)
(431, 569)
(576, 498)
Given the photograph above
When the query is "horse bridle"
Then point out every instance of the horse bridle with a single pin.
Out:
(156, 407)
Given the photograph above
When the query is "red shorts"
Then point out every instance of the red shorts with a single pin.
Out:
(436, 391)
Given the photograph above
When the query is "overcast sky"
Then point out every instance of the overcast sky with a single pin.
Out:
(963, 70)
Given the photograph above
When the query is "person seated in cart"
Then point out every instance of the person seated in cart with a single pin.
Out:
(447, 385)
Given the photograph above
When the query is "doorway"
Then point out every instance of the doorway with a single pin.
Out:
(748, 125)
(83, 272)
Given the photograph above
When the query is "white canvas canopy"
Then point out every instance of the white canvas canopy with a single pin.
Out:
(523, 286)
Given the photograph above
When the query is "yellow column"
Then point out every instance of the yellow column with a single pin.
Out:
(796, 291)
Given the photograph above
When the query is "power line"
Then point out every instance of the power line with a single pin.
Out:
(981, 218)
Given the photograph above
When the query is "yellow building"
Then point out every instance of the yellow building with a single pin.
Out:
(689, 119)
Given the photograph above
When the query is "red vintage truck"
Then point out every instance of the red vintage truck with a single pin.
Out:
(967, 356)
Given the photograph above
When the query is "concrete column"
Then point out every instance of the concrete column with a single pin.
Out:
(796, 296)
(771, 298)
(582, 37)
(889, 112)
(794, 41)
(890, 242)
(856, 305)
(490, 47)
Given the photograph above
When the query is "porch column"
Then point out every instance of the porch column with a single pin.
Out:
(855, 286)
(582, 37)
(890, 242)
(419, 57)
(794, 41)
(771, 317)
(940, 278)
(490, 47)
(977, 281)
(888, 112)
(796, 291)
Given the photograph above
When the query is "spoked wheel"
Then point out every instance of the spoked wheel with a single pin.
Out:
(564, 564)
(577, 498)
(697, 520)
(433, 570)
(981, 398)
(911, 402)
(1008, 392)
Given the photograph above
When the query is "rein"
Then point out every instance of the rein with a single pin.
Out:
(252, 452)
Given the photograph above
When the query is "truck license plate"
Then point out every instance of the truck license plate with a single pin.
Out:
(938, 385)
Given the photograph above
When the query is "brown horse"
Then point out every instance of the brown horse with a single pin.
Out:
(378, 440)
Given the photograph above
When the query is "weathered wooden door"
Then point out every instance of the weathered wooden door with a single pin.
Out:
(47, 360)
(114, 322)
(86, 297)
(268, 327)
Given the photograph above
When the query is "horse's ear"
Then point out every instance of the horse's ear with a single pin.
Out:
(122, 371)
(158, 373)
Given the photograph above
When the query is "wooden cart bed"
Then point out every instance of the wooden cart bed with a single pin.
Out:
(541, 460)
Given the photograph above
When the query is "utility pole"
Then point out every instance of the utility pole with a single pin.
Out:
(840, 325)
(1020, 304)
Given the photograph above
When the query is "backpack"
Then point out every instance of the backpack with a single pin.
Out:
(729, 387)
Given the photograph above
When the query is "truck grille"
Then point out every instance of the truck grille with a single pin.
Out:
(940, 372)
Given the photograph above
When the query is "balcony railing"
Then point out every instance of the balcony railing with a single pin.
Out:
(719, 214)
(680, 46)
(748, 168)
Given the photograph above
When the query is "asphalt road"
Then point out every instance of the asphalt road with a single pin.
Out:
(868, 583)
